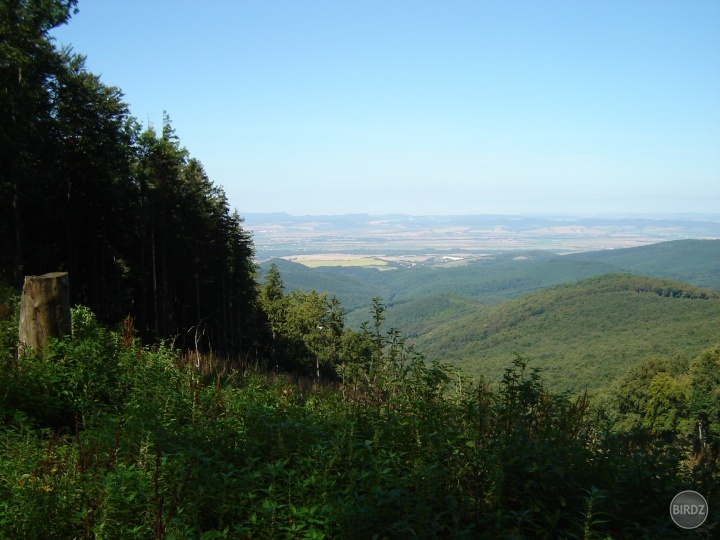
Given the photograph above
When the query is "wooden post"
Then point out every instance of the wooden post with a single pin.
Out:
(44, 309)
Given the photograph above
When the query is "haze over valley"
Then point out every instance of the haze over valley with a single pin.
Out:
(408, 239)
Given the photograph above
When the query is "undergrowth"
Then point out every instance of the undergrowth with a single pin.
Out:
(103, 437)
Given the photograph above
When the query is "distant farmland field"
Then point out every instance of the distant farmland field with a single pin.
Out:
(335, 259)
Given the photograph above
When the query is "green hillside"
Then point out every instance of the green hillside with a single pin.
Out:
(354, 292)
(485, 283)
(584, 334)
(424, 314)
(489, 281)
(694, 261)
(495, 279)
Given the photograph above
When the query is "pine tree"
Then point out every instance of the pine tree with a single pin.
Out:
(274, 304)
(28, 65)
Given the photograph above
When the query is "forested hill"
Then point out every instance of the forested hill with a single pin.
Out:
(418, 298)
(125, 209)
(355, 287)
(578, 317)
(586, 334)
(694, 261)
(575, 316)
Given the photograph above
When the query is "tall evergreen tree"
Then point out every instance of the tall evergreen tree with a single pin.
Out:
(91, 192)
(28, 64)
(274, 305)
(137, 222)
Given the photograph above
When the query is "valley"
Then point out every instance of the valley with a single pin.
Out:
(584, 318)
(362, 239)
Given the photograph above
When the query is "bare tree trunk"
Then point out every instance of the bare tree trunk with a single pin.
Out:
(44, 309)
(155, 287)
(18, 262)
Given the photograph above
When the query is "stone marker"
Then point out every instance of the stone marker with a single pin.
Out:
(44, 309)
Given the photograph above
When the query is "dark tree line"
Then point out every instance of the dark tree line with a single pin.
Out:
(124, 209)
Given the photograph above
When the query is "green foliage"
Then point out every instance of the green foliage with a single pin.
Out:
(586, 334)
(68, 381)
(674, 406)
(9, 313)
(306, 328)
(106, 439)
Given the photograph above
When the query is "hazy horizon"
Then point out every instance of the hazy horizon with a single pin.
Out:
(609, 215)
(427, 108)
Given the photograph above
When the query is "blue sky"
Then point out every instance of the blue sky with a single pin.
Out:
(420, 107)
